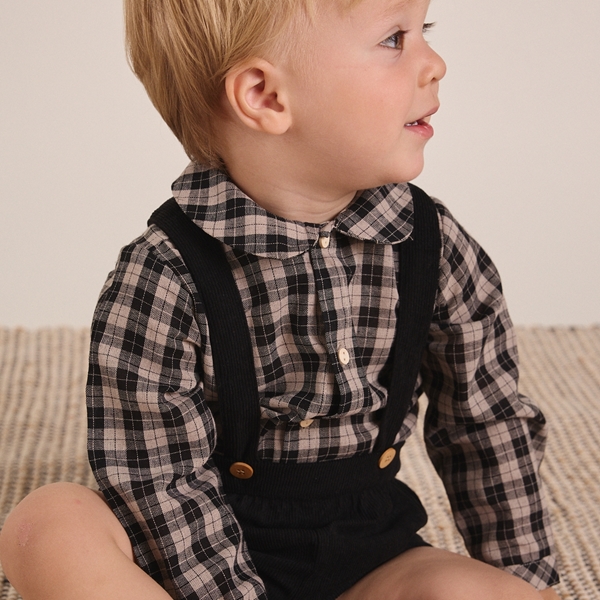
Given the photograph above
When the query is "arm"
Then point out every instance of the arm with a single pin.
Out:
(484, 438)
(151, 433)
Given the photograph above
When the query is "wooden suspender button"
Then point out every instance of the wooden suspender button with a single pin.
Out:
(387, 457)
(241, 470)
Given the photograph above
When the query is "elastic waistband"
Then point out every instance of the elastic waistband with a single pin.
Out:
(309, 480)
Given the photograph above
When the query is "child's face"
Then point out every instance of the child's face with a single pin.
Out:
(369, 74)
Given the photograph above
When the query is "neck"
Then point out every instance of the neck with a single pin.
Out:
(282, 183)
(282, 196)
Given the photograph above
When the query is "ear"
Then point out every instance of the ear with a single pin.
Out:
(257, 95)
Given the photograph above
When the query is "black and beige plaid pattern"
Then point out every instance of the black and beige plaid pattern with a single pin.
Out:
(308, 291)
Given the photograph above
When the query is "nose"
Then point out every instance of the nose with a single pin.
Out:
(434, 67)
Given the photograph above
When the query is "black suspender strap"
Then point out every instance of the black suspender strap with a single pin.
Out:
(417, 287)
(230, 338)
(231, 347)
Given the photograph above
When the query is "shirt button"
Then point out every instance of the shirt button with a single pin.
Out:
(324, 241)
(387, 457)
(306, 423)
(344, 356)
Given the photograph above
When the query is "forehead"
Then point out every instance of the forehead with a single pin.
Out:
(383, 6)
(371, 10)
(349, 4)
(394, 6)
(366, 12)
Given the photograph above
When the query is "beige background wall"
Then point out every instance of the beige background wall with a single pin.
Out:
(84, 159)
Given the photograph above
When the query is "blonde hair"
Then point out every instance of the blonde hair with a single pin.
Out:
(181, 50)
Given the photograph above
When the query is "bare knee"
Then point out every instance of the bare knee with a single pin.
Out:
(433, 574)
(461, 578)
(57, 519)
(457, 587)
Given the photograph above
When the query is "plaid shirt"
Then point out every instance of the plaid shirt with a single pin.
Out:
(308, 290)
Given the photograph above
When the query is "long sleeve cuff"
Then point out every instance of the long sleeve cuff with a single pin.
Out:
(540, 573)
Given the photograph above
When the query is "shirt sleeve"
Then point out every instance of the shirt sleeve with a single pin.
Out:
(484, 438)
(151, 433)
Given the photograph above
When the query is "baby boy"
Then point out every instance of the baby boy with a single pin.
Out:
(258, 352)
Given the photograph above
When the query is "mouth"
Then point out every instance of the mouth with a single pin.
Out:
(424, 120)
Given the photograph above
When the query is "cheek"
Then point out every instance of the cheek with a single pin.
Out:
(350, 106)
(383, 99)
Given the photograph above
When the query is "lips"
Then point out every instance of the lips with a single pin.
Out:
(424, 120)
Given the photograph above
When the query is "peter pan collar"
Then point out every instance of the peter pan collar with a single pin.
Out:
(382, 215)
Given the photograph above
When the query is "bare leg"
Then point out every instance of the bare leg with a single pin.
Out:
(63, 542)
(549, 594)
(432, 574)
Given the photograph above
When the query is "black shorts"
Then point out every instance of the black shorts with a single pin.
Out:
(313, 542)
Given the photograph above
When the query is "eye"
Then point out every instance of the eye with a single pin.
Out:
(395, 41)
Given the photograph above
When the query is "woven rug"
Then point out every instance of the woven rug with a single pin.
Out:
(42, 436)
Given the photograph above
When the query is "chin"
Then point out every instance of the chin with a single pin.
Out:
(404, 174)
(403, 167)
(363, 175)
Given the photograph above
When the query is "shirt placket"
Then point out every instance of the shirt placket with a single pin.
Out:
(333, 291)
